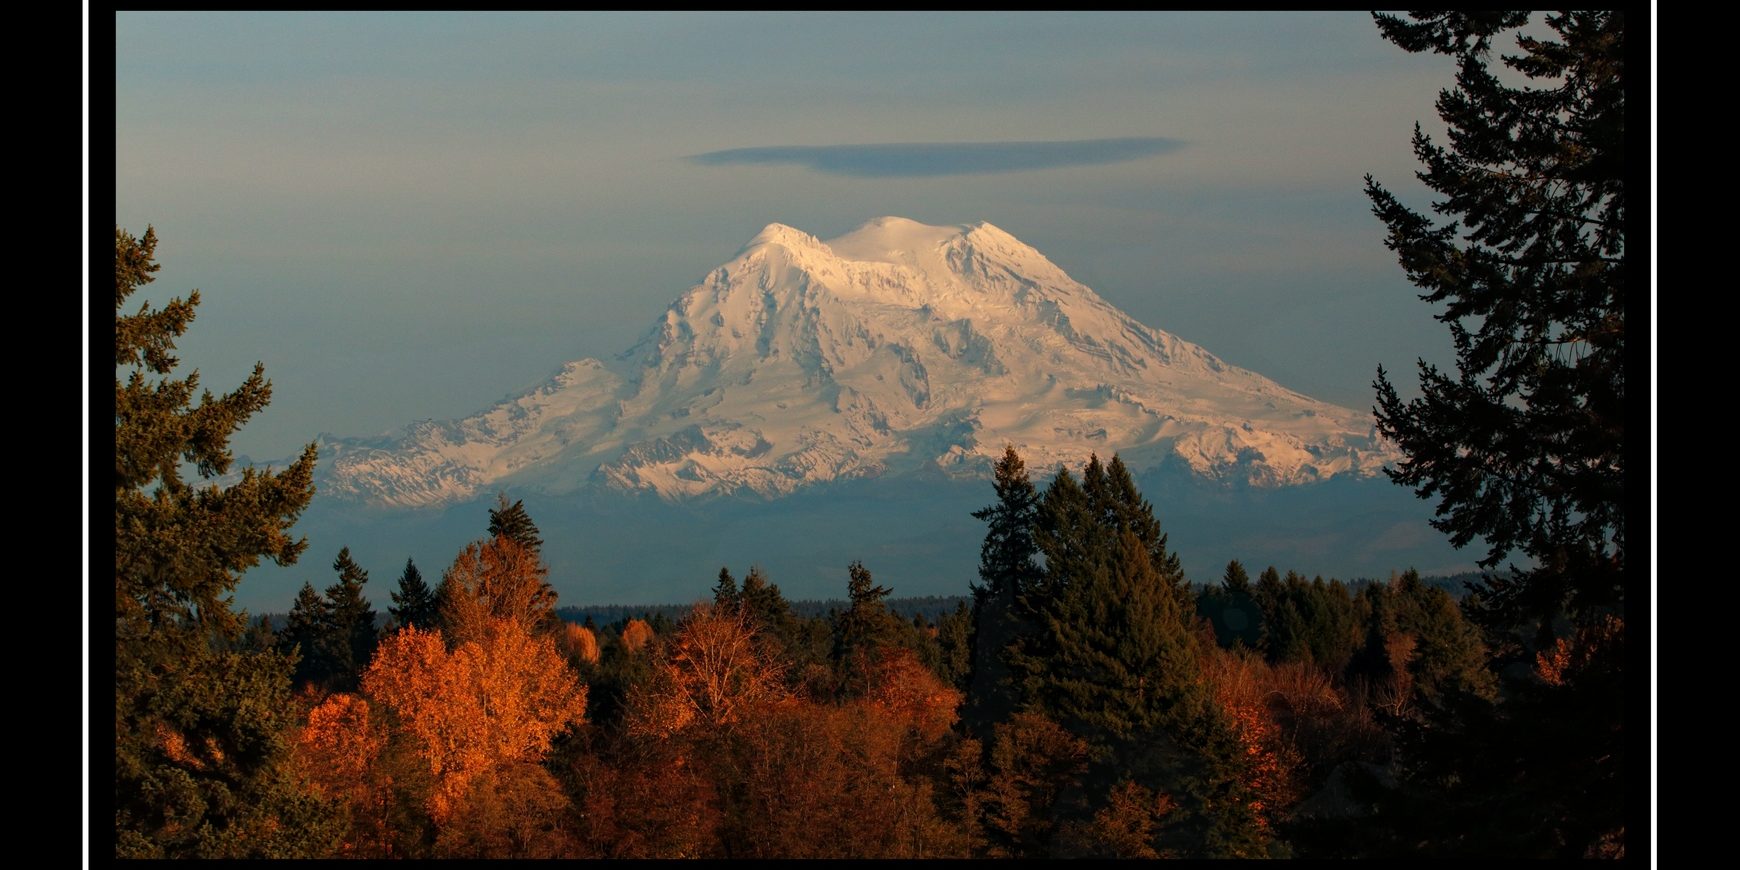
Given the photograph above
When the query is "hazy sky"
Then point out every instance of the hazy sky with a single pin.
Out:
(409, 216)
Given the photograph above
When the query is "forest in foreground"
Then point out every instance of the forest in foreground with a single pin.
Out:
(1090, 701)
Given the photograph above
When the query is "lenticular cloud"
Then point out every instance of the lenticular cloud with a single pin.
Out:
(918, 159)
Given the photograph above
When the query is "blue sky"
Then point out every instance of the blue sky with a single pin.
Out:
(409, 216)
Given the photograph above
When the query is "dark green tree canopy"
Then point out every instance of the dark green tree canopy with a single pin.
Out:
(304, 635)
(867, 622)
(180, 548)
(725, 596)
(1007, 569)
(199, 718)
(1524, 445)
(350, 629)
(1006, 557)
(414, 603)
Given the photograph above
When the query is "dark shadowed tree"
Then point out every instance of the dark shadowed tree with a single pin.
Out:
(954, 641)
(1127, 511)
(1114, 662)
(725, 595)
(350, 627)
(304, 635)
(1524, 445)
(1232, 608)
(863, 627)
(414, 603)
(1006, 569)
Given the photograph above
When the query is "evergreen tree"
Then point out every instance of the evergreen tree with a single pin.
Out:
(1122, 655)
(1006, 570)
(350, 623)
(764, 604)
(955, 645)
(199, 724)
(260, 637)
(1525, 445)
(304, 635)
(513, 522)
(1127, 510)
(1448, 655)
(725, 597)
(864, 626)
(1232, 608)
(1113, 660)
(414, 604)
(1066, 533)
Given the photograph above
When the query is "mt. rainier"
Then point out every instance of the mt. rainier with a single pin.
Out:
(896, 348)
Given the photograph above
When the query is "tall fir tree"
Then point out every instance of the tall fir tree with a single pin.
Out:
(200, 725)
(304, 635)
(1066, 533)
(763, 602)
(350, 623)
(414, 604)
(1128, 511)
(1006, 569)
(1113, 661)
(863, 627)
(1232, 607)
(725, 596)
(1122, 656)
(1524, 446)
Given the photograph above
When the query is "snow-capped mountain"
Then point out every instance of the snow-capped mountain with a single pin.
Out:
(895, 348)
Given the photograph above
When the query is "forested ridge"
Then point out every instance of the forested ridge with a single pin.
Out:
(1085, 698)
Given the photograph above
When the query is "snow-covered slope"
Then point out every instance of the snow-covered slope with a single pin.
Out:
(895, 348)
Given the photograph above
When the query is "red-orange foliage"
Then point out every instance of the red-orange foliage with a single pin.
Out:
(710, 673)
(500, 579)
(580, 643)
(651, 803)
(636, 634)
(1126, 826)
(912, 693)
(1253, 695)
(338, 751)
(1569, 657)
(339, 743)
(495, 700)
(516, 810)
(820, 781)
(1034, 761)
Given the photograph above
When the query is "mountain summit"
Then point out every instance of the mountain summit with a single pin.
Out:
(896, 348)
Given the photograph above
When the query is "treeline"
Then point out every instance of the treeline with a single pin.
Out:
(931, 607)
(1086, 701)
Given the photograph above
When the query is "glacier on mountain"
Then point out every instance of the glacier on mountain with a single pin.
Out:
(896, 348)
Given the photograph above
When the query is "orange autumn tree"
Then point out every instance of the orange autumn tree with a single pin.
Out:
(499, 578)
(902, 687)
(338, 752)
(494, 700)
(711, 671)
(635, 635)
(1247, 690)
(580, 643)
